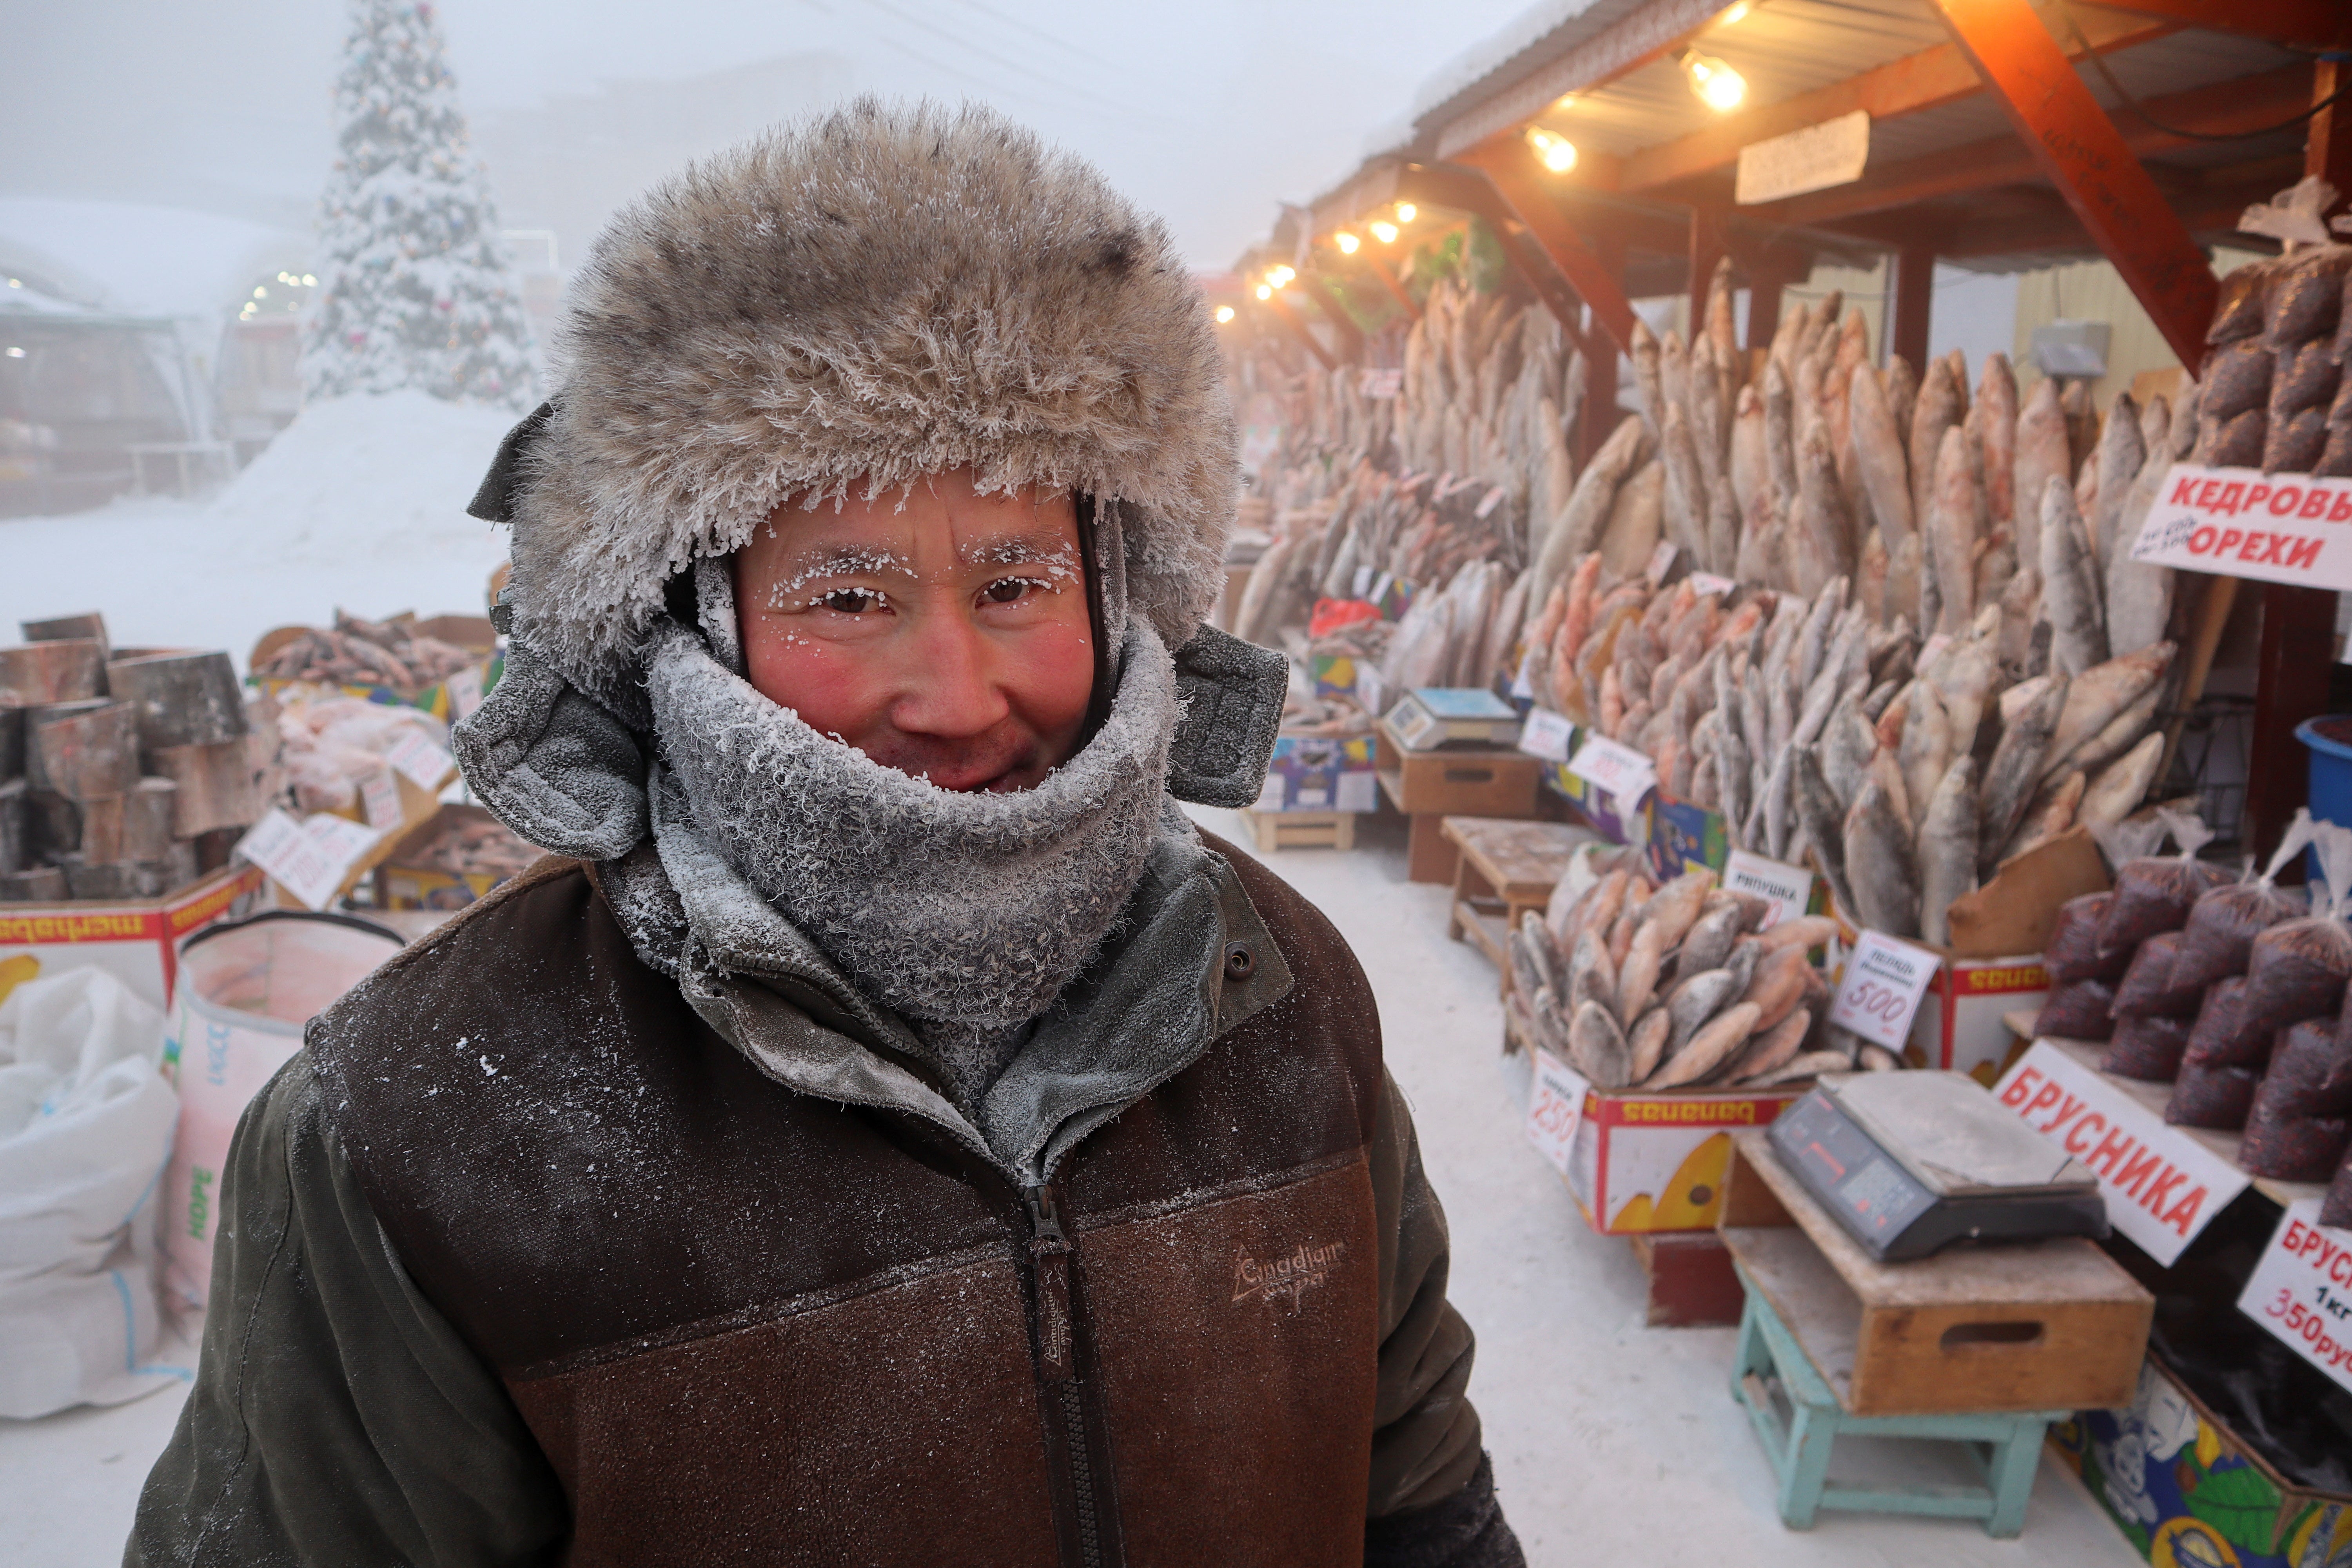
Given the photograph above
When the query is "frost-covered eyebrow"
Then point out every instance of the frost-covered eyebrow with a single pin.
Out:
(1046, 548)
(819, 561)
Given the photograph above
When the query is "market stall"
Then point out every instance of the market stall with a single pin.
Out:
(1867, 669)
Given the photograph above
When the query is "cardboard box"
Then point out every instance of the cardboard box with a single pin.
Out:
(1321, 772)
(1685, 837)
(448, 700)
(135, 940)
(2184, 1488)
(1960, 1026)
(1457, 780)
(1655, 1161)
(404, 882)
(1607, 815)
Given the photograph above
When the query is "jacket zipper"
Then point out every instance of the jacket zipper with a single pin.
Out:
(1049, 1262)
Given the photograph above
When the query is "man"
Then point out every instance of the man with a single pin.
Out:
(892, 1133)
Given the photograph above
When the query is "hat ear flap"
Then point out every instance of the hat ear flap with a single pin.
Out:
(494, 503)
(1233, 694)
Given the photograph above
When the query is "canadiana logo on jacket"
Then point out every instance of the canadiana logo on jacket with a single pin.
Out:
(1289, 1276)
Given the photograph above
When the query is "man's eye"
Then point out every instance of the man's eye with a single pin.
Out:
(1009, 590)
(850, 601)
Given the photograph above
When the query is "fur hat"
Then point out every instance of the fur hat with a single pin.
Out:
(866, 297)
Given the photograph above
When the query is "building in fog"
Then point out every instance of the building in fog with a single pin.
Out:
(141, 348)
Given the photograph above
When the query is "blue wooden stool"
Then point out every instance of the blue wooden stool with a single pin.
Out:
(2006, 1447)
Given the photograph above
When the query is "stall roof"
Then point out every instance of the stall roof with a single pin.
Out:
(1945, 163)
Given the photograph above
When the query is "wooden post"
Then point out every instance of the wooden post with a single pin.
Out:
(1298, 328)
(2084, 156)
(1914, 294)
(1598, 414)
(1397, 290)
(1343, 325)
(1766, 278)
(2298, 646)
(1511, 166)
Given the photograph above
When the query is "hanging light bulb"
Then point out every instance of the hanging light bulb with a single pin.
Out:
(1266, 290)
(1406, 212)
(1280, 276)
(1384, 231)
(1735, 13)
(1225, 315)
(1347, 242)
(1718, 86)
(1555, 151)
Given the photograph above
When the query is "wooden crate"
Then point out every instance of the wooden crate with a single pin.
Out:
(1275, 830)
(1692, 1282)
(2047, 1325)
(1465, 780)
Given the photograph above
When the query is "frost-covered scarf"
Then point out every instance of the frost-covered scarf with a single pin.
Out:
(965, 914)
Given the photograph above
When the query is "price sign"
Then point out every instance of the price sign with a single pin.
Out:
(1383, 382)
(425, 764)
(1555, 1109)
(1523, 685)
(2162, 1187)
(465, 692)
(1706, 583)
(1371, 690)
(1362, 587)
(308, 858)
(1620, 770)
(1547, 735)
(1788, 888)
(2301, 1290)
(379, 799)
(1881, 989)
(1661, 561)
(2278, 528)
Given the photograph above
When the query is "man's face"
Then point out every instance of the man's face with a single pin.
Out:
(946, 637)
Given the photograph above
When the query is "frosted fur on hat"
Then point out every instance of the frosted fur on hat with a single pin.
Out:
(875, 295)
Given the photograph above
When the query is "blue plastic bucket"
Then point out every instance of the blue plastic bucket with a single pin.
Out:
(2329, 740)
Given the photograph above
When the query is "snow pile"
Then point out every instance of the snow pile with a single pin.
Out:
(361, 502)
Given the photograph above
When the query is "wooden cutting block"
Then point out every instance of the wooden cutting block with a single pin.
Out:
(12, 742)
(16, 826)
(2043, 1325)
(148, 811)
(88, 626)
(101, 828)
(182, 697)
(37, 674)
(37, 885)
(216, 786)
(90, 753)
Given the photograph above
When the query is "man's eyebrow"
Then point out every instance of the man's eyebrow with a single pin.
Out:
(1047, 547)
(838, 560)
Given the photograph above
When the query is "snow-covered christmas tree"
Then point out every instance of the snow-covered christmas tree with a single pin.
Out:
(416, 286)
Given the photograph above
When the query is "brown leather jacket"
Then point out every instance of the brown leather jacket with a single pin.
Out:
(530, 1263)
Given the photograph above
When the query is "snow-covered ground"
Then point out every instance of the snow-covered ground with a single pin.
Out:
(360, 503)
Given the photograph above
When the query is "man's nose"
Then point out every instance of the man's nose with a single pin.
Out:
(947, 684)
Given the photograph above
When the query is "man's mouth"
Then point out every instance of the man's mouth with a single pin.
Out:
(986, 767)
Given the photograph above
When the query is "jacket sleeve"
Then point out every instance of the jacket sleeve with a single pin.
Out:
(1432, 1502)
(336, 1416)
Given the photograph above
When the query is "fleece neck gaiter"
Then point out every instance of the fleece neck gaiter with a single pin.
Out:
(965, 914)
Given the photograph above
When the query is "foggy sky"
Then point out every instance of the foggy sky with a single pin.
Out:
(1208, 113)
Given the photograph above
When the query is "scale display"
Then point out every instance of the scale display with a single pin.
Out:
(1911, 1161)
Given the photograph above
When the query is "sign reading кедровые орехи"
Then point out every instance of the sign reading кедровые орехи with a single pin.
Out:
(2242, 523)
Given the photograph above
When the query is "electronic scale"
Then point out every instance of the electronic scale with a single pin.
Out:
(1912, 1162)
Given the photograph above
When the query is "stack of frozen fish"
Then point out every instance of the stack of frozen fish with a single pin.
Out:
(1678, 986)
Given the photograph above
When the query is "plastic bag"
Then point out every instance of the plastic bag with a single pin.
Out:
(2074, 952)
(2149, 989)
(84, 1128)
(2336, 1210)
(2218, 1038)
(2078, 1010)
(2147, 1048)
(2298, 1128)
(2154, 895)
(2215, 1097)
(2219, 936)
(2296, 969)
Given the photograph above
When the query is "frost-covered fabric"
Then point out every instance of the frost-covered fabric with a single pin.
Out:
(416, 286)
(972, 911)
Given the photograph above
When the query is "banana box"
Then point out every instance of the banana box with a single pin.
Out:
(1653, 1162)
(134, 940)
